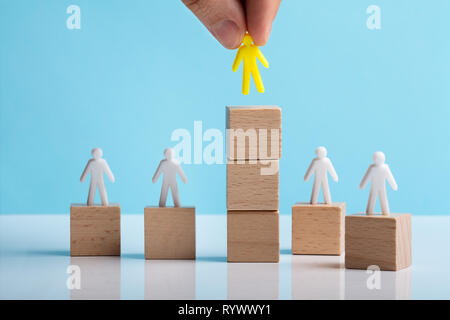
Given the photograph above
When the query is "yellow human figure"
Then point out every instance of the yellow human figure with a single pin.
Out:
(248, 52)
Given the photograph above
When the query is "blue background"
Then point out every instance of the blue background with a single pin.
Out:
(137, 70)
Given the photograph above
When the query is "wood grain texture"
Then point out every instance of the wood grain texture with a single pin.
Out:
(253, 236)
(379, 240)
(248, 189)
(94, 230)
(251, 119)
(318, 229)
(169, 233)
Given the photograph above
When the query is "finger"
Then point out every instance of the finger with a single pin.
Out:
(225, 19)
(260, 16)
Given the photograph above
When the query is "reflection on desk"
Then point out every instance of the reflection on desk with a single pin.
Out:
(317, 277)
(258, 281)
(99, 278)
(169, 279)
(393, 285)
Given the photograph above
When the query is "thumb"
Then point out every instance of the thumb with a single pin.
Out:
(225, 19)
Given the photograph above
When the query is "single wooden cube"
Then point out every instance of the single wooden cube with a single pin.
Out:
(253, 236)
(253, 132)
(383, 241)
(94, 230)
(169, 232)
(318, 228)
(252, 186)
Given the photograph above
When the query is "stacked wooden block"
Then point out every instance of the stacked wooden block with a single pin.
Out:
(253, 153)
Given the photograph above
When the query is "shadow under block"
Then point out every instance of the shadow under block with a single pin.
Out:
(384, 241)
(253, 236)
(94, 230)
(318, 228)
(169, 232)
(249, 128)
(252, 186)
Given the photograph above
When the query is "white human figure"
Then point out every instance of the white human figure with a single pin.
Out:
(378, 173)
(320, 166)
(97, 167)
(169, 167)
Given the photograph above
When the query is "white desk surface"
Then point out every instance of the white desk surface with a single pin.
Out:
(34, 257)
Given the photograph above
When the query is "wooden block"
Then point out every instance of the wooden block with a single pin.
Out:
(253, 236)
(250, 188)
(318, 229)
(169, 233)
(94, 230)
(384, 241)
(253, 132)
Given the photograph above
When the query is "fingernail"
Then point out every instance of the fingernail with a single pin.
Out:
(227, 32)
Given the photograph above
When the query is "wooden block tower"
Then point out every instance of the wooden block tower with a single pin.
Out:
(253, 153)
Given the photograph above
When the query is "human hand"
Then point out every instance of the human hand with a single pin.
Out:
(228, 20)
